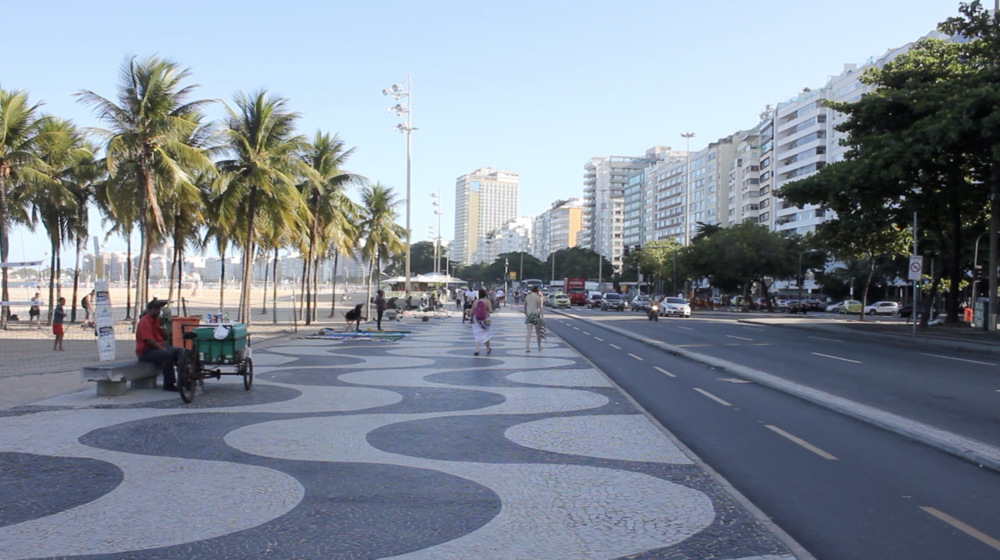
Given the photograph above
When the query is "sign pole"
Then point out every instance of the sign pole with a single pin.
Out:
(104, 320)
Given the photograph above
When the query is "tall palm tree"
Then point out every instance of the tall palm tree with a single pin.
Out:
(18, 163)
(333, 213)
(262, 175)
(148, 125)
(118, 201)
(383, 236)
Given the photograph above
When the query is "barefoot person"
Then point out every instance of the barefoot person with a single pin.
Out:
(533, 311)
(58, 317)
(35, 313)
(481, 321)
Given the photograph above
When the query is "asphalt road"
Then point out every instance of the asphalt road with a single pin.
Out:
(841, 488)
(947, 389)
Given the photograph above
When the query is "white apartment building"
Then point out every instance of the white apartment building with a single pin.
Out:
(638, 215)
(744, 180)
(559, 227)
(604, 183)
(515, 235)
(485, 200)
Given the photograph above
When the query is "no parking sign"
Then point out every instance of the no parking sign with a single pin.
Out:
(916, 267)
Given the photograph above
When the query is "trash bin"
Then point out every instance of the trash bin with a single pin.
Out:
(968, 314)
(176, 324)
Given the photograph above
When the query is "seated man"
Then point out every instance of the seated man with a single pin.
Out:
(149, 347)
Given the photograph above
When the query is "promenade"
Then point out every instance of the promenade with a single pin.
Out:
(352, 450)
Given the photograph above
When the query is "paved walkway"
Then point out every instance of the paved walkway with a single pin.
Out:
(413, 449)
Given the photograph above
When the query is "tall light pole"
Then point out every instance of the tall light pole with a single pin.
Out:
(437, 239)
(398, 92)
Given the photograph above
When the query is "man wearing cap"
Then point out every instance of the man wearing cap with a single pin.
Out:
(149, 344)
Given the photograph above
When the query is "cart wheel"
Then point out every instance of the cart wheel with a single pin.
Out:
(186, 382)
(248, 374)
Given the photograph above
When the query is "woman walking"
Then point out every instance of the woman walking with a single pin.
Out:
(481, 330)
(533, 308)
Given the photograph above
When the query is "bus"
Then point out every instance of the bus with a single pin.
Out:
(531, 282)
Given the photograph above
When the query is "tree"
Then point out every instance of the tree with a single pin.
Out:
(147, 128)
(18, 163)
(382, 236)
(658, 260)
(262, 174)
(575, 262)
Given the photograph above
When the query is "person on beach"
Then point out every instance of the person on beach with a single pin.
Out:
(533, 313)
(58, 317)
(35, 313)
(88, 304)
(379, 308)
(481, 329)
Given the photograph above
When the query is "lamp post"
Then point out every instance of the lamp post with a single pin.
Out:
(398, 92)
(437, 238)
(801, 279)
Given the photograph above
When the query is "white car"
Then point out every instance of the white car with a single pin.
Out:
(882, 308)
(675, 306)
(835, 308)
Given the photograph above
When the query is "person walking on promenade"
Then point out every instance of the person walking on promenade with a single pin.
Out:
(501, 295)
(470, 296)
(481, 329)
(533, 312)
(35, 313)
(88, 305)
(379, 308)
(149, 344)
(58, 318)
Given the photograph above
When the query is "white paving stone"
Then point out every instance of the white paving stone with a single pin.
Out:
(561, 378)
(623, 437)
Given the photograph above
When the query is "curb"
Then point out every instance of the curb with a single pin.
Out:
(794, 547)
(893, 339)
(976, 452)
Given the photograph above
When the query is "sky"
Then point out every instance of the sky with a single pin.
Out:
(535, 88)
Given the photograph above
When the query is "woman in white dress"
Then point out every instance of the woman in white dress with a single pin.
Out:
(481, 328)
(533, 312)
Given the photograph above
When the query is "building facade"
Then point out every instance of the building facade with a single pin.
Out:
(485, 200)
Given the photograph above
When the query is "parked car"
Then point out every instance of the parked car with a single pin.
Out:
(614, 301)
(813, 304)
(561, 301)
(675, 306)
(850, 306)
(882, 308)
(594, 300)
(835, 308)
(640, 303)
(907, 311)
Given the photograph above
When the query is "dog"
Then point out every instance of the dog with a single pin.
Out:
(354, 316)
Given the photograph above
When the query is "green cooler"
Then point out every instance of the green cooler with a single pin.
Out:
(228, 350)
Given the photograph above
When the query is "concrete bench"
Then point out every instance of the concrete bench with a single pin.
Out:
(111, 377)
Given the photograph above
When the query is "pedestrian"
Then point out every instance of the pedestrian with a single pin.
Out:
(500, 297)
(533, 313)
(470, 296)
(87, 303)
(149, 344)
(481, 328)
(379, 308)
(35, 313)
(58, 317)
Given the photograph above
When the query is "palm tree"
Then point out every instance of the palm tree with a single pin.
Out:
(18, 163)
(262, 174)
(383, 237)
(333, 213)
(148, 126)
(118, 201)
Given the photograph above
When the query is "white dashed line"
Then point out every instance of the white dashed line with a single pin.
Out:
(713, 397)
(661, 370)
(959, 360)
(598, 338)
(636, 357)
(827, 339)
(577, 328)
(615, 347)
(802, 442)
(836, 358)
(740, 338)
(586, 333)
(685, 328)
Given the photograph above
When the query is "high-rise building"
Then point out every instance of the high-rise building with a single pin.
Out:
(744, 181)
(485, 200)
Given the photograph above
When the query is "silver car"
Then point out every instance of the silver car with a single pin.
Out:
(675, 307)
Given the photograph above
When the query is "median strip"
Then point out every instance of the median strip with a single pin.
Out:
(713, 397)
(801, 442)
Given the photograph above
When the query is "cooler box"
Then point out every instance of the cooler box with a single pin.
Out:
(226, 351)
(177, 328)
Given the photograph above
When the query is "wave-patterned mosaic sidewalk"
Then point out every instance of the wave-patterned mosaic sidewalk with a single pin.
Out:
(408, 450)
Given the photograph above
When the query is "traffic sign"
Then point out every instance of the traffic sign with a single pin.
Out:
(916, 267)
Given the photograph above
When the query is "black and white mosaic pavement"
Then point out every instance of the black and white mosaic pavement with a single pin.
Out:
(409, 450)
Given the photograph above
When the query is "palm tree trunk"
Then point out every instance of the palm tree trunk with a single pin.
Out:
(76, 277)
(248, 253)
(368, 298)
(4, 242)
(52, 279)
(263, 309)
(274, 287)
(315, 290)
(333, 290)
(302, 296)
(180, 273)
(222, 278)
(128, 274)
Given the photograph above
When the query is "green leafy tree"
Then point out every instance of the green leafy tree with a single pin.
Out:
(576, 262)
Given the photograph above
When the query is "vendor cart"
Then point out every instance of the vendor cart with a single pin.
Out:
(217, 349)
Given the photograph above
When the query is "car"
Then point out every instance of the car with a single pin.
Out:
(614, 301)
(675, 306)
(594, 300)
(850, 306)
(882, 308)
(640, 303)
(561, 301)
(835, 308)
(907, 311)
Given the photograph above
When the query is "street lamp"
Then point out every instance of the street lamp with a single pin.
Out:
(398, 92)
(437, 239)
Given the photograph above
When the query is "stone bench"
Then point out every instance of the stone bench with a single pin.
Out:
(111, 377)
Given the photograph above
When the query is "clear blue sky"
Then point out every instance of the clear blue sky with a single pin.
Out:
(536, 88)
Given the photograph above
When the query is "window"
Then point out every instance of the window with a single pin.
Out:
(765, 217)
(765, 162)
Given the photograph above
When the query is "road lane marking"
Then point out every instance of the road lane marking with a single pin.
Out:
(586, 333)
(598, 338)
(661, 370)
(959, 359)
(713, 397)
(734, 380)
(615, 347)
(636, 357)
(685, 328)
(577, 328)
(802, 442)
(982, 537)
(740, 338)
(827, 339)
(836, 358)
